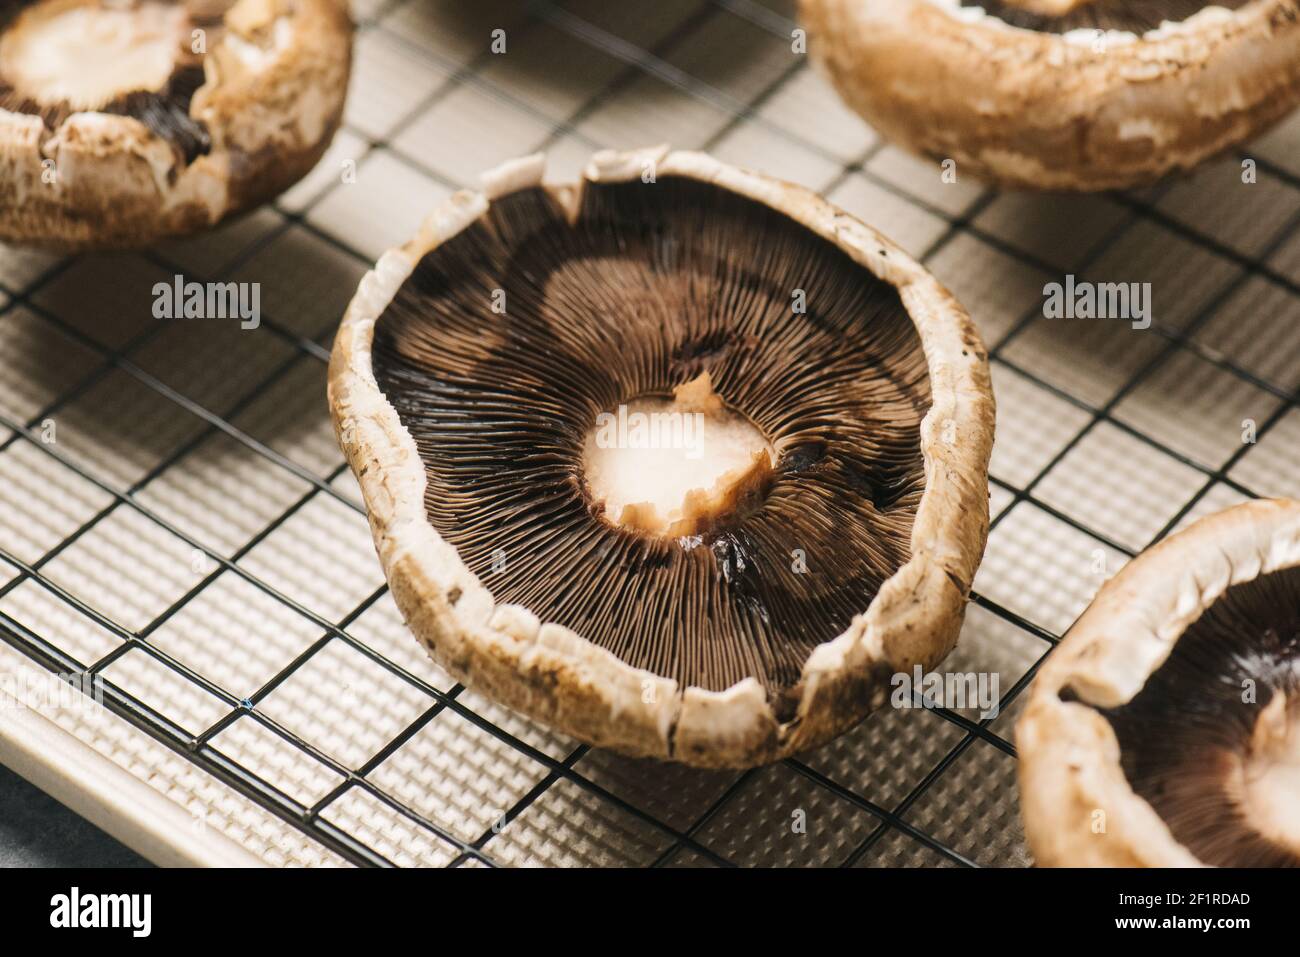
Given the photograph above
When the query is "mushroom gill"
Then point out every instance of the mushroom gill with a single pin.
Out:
(508, 343)
(136, 58)
(1212, 741)
(1130, 16)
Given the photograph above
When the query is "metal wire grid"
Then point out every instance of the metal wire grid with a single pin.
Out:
(681, 842)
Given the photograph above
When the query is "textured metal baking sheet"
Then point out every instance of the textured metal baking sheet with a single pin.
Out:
(176, 517)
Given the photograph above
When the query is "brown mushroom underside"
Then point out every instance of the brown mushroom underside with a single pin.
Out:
(1190, 740)
(655, 284)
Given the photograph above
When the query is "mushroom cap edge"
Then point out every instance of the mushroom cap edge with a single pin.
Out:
(1069, 756)
(1030, 110)
(549, 672)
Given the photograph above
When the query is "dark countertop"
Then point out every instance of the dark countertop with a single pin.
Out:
(38, 831)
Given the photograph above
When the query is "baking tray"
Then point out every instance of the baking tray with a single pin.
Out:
(180, 538)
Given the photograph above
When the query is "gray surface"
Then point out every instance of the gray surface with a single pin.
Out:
(38, 831)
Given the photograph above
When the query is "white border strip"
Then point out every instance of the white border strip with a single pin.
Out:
(110, 797)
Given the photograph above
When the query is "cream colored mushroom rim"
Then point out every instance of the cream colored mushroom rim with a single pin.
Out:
(1085, 109)
(449, 608)
(1069, 754)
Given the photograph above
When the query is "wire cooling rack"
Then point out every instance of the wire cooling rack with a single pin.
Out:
(177, 523)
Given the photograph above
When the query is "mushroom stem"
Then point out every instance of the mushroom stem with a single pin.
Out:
(86, 54)
(1270, 777)
(676, 468)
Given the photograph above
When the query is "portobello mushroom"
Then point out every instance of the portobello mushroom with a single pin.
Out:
(722, 602)
(123, 122)
(1164, 731)
(1062, 94)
